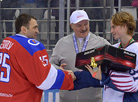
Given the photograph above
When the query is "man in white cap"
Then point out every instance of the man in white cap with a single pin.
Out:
(65, 52)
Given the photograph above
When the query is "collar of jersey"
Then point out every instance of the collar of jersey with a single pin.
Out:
(21, 35)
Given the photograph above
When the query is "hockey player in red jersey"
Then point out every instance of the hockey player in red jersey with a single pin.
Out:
(25, 70)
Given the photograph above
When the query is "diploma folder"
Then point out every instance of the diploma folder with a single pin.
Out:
(109, 57)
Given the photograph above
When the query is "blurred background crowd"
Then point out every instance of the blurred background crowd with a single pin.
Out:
(53, 17)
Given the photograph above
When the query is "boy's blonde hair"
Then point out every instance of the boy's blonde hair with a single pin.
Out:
(124, 18)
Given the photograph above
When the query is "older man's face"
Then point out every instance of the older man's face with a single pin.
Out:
(81, 28)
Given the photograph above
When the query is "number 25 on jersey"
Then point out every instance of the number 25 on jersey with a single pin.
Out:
(5, 68)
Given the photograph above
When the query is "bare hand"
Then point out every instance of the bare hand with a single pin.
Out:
(98, 73)
(70, 72)
(62, 66)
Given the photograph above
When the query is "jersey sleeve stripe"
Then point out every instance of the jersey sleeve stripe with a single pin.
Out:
(50, 79)
(59, 80)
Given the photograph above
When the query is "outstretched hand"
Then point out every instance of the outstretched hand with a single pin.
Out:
(97, 75)
(62, 66)
(70, 72)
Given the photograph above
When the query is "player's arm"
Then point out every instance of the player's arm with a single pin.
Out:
(84, 80)
(120, 81)
(57, 79)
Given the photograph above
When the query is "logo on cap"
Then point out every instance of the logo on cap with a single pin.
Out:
(80, 16)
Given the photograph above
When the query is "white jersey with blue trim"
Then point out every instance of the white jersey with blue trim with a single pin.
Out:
(124, 87)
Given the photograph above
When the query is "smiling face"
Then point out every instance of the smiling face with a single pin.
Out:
(122, 25)
(118, 31)
(81, 28)
(32, 30)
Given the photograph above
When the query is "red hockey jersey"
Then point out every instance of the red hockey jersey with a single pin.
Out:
(25, 71)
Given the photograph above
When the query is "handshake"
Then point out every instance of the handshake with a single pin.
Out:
(70, 72)
(96, 75)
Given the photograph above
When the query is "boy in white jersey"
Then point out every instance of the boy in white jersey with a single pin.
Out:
(118, 86)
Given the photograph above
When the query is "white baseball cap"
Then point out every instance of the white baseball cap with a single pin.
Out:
(78, 16)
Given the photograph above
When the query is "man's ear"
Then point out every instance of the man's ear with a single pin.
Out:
(23, 29)
(71, 25)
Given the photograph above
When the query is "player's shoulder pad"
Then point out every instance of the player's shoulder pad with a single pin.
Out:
(31, 45)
